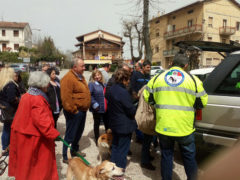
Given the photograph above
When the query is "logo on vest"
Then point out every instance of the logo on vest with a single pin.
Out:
(174, 78)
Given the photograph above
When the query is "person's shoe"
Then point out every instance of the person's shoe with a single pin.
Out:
(139, 141)
(65, 161)
(148, 166)
(151, 158)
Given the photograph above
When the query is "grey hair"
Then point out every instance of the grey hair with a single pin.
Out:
(38, 79)
(75, 61)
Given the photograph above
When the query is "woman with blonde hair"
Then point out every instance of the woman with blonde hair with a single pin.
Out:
(9, 97)
(98, 103)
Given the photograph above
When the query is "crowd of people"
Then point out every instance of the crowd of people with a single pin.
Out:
(112, 100)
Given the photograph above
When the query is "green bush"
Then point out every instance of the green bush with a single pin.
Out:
(25, 76)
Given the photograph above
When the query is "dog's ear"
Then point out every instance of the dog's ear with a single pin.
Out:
(102, 171)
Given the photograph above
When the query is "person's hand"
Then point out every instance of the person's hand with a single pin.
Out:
(97, 109)
(58, 138)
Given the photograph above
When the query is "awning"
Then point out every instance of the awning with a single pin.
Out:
(97, 61)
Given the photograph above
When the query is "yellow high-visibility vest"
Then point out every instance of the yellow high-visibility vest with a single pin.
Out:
(174, 92)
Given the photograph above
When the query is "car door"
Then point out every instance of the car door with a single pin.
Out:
(222, 114)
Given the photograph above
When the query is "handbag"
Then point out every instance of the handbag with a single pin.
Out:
(6, 114)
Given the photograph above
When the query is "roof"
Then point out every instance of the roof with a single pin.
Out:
(115, 42)
(4, 24)
(189, 5)
(78, 37)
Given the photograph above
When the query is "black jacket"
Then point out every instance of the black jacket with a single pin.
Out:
(51, 93)
(121, 110)
(10, 96)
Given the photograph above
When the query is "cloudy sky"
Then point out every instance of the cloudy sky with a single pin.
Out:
(64, 20)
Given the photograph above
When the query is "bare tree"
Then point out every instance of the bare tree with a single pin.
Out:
(133, 30)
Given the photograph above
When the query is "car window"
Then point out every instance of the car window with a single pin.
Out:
(231, 85)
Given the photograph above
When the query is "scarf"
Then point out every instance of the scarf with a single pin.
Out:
(35, 92)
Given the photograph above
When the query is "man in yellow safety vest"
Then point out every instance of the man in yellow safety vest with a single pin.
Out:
(174, 94)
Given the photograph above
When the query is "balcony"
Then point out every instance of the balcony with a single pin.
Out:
(227, 30)
(170, 53)
(197, 28)
(4, 39)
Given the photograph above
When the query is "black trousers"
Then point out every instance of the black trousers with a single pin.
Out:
(55, 117)
(97, 120)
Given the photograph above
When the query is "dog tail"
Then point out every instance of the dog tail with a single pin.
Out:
(69, 156)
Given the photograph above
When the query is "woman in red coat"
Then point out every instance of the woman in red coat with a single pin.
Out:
(32, 147)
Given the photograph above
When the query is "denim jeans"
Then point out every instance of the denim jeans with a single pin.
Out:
(145, 155)
(6, 135)
(188, 152)
(120, 148)
(75, 124)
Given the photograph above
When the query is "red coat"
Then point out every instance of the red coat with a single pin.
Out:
(32, 147)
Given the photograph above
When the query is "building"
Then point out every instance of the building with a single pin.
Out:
(205, 20)
(13, 35)
(99, 47)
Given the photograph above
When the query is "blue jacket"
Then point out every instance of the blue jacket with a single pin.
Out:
(138, 80)
(97, 97)
(121, 111)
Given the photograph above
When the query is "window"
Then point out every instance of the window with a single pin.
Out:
(157, 21)
(156, 49)
(216, 59)
(210, 21)
(104, 54)
(228, 86)
(15, 33)
(238, 26)
(190, 11)
(224, 23)
(16, 46)
(208, 61)
(190, 23)
(4, 47)
(209, 38)
(224, 40)
(174, 17)
(3, 32)
(173, 28)
(157, 33)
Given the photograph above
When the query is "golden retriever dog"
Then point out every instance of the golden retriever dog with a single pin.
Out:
(78, 170)
(104, 145)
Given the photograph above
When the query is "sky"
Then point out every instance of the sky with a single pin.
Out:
(64, 20)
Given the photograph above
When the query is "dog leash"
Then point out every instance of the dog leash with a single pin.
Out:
(65, 143)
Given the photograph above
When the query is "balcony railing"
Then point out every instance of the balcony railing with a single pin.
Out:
(197, 28)
(227, 30)
(170, 53)
(4, 39)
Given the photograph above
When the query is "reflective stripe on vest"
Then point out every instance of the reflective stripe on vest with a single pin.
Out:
(178, 89)
(174, 107)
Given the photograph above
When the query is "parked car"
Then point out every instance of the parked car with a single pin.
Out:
(19, 67)
(203, 73)
(154, 69)
(219, 122)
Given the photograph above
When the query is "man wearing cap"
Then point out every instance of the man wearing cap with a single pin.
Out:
(173, 94)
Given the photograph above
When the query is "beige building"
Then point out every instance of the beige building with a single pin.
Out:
(99, 47)
(205, 20)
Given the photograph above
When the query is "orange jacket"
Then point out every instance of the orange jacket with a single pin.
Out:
(75, 94)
